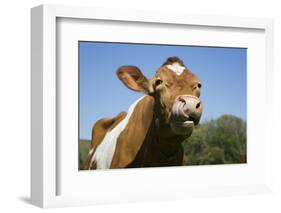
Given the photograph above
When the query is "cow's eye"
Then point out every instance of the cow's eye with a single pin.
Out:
(158, 82)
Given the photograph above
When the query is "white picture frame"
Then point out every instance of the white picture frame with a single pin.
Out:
(44, 153)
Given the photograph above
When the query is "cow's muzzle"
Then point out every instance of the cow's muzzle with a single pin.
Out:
(186, 113)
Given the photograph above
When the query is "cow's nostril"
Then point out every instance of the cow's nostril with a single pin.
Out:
(198, 105)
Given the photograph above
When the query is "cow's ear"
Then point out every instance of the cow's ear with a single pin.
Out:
(133, 78)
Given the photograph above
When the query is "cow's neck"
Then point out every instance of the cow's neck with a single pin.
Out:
(169, 142)
(169, 145)
(161, 145)
(158, 147)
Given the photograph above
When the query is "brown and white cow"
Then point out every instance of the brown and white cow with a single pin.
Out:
(152, 131)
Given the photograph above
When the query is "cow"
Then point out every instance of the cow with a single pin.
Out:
(151, 133)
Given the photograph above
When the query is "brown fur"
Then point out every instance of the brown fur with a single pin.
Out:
(132, 138)
(142, 144)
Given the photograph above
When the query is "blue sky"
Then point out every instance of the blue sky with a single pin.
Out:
(222, 72)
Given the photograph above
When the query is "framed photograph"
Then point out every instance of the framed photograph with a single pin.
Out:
(129, 106)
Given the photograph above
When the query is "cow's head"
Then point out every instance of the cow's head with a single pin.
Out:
(176, 91)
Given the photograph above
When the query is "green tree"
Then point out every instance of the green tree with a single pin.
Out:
(217, 141)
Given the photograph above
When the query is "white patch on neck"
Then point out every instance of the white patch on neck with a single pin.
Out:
(105, 151)
(91, 152)
(176, 67)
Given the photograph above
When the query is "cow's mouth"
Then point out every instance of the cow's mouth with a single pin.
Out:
(182, 120)
(182, 127)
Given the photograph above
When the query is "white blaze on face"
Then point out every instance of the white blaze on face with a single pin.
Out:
(176, 67)
(105, 151)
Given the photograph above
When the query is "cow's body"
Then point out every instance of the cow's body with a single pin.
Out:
(142, 137)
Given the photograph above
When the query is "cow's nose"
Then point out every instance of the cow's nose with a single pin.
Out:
(192, 106)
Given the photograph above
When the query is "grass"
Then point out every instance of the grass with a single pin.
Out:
(84, 146)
